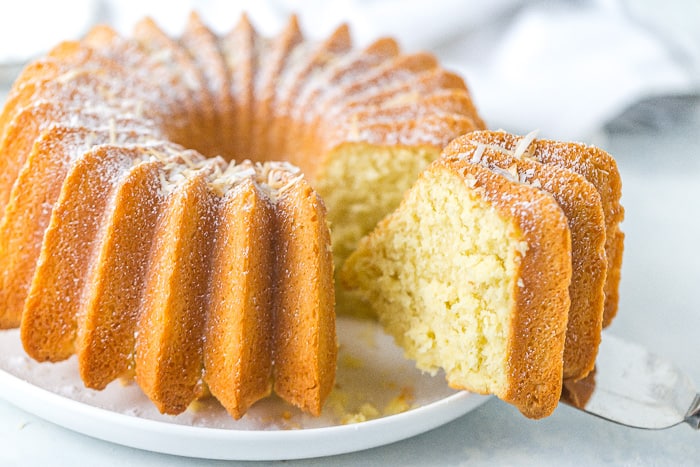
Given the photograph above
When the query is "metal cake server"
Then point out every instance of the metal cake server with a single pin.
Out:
(633, 387)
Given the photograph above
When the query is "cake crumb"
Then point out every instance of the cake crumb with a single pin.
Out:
(352, 362)
(400, 403)
(196, 406)
(366, 412)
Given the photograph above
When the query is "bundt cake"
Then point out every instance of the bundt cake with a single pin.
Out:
(494, 267)
(127, 240)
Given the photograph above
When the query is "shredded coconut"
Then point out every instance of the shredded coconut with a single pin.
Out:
(523, 146)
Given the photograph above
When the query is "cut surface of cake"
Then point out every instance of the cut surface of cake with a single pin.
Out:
(580, 203)
(471, 274)
(132, 238)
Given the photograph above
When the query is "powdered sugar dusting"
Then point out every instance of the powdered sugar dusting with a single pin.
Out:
(431, 130)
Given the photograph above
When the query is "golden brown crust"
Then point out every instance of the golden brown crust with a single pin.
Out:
(578, 393)
(238, 334)
(48, 321)
(600, 169)
(410, 106)
(238, 48)
(365, 83)
(29, 209)
(538, 321)
(28, 125)
(346, 70)
(265, 85)
(61, 59)
(169, 360)
(150, 36)
(305, 346)
(64, 91)
(202, 45)
(298, 74)
(434, 131)
(156, 75)
(430, 92)
(108, 317)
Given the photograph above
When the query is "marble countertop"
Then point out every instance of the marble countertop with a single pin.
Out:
(659, 159)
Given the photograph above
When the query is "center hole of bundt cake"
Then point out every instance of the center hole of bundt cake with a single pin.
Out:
(257, 143)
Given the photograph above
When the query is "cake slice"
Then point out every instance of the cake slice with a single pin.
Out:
(600, 169)
(581, 205)
(355, 205)
(470, 275)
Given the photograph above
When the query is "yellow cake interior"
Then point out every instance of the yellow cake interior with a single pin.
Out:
(443, 283)
(360, 184)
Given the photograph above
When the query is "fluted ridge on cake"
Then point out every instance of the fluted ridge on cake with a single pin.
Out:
(238, 48)
(150, 36)
(203, 47)
(126, 307)
(34, 194)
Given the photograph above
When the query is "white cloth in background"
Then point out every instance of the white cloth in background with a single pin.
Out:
(563, 67)
(29, 27)
(568, 68)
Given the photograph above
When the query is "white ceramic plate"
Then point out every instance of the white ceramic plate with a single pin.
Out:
(373, 383)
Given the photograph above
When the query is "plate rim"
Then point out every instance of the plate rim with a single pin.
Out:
(230, 444)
